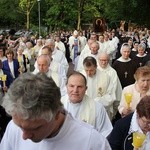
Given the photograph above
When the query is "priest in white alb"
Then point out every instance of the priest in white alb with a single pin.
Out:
(84, 108)
(105, 67)
(100, 87)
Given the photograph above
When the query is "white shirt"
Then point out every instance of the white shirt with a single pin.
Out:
(3, 58)
(73, 135)
(11, 66)
(134, 127)
(136, 96)
(101, 120)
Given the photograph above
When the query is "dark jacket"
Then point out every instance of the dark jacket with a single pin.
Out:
(119, 139)
(25, 62)
(7, 71)
(4, 119)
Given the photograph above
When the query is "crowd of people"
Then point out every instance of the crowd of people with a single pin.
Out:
(42, 101)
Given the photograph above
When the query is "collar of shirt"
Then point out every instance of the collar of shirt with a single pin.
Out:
(124, 60)
(134, 126)
(140, 55)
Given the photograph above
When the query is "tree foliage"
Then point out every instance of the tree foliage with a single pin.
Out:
(27, 6)
(9, 14)
(70, 14)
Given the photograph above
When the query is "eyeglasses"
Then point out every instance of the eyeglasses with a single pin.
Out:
(145, 122)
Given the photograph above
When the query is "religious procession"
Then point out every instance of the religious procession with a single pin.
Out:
(74, 86)
(74, 75)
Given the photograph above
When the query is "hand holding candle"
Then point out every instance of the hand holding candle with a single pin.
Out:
(4, 77)
(26, 56)
(20, 64)
(138, 139)
(128, 98)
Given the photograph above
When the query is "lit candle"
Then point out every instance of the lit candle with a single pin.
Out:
(128, 98)
(138, 139)
(4, 77)
(19, 59)
(20, 64)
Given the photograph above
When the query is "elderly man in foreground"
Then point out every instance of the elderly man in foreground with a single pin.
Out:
(39, 120)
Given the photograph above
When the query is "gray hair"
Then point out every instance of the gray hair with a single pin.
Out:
(96, 43)
(48, 41)
(89, 61)
(104, 54)
(46, 57)
(125, 45)
(33, 96)
(142, 45)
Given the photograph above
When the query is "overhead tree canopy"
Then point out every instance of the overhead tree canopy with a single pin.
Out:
(70, 14)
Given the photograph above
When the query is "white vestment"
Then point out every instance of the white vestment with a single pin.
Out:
(71, 46)
(73, 135)
(83, 42)
(60, 45)
(117, 88)
(115, 42)
(82, 57)
(109, 48)
(59, 57)
(91, 112)
(100, 88)
(85, 50)
(58, 75)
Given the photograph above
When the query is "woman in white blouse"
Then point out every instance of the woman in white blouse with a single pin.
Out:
(10, 67)
(138, 90)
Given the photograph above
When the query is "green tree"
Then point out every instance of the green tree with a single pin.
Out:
(10, 14)
(71, 14)
(61, 13)
(26, 6)
(128, 10)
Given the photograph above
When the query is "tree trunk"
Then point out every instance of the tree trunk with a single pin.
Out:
(79, 21)
(28, 20)
(80, 11)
